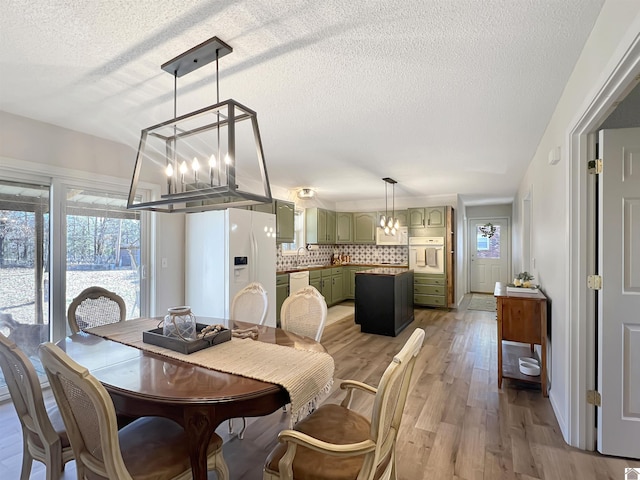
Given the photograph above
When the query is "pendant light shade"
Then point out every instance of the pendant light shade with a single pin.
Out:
(209, 159)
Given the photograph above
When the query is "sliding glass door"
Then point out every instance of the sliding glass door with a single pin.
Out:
(102, 245)
(56, 239)
(24, 261)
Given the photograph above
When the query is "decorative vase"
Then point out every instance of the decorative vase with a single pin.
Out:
(180, 323)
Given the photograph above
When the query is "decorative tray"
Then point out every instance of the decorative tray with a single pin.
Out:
(155, 337)
(514, 289)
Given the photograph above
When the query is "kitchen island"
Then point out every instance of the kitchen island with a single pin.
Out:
(384, 300)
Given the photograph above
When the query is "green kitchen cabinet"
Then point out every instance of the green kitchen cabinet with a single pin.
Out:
(435, 216)
(315, 279)
(320, 226)
(331, 227)
(349, 281)
(337, 294)
(282, 292)
(326, 285)
(427, 222)
(285, 221)
(364, 227)
(430, 290)
(285, 215)
(344, 227)
(416, 218)
(401, 215)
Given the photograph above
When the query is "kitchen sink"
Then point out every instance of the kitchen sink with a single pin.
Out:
(303, 267)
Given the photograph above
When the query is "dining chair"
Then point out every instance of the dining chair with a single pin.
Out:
(304, 313)
(43, 435)
(337, 442)
(147, 448)
(95, 306)
(249, 305)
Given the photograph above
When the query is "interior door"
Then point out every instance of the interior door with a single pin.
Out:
(619, 299)
(488, 254)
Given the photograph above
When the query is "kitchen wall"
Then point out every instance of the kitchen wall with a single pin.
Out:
(367, 254)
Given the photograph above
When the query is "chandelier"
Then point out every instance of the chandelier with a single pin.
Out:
(389, 223)
(209, 159)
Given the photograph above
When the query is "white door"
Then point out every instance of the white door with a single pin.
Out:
(488, 253)
(619, 299)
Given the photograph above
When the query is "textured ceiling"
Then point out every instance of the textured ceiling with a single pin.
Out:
(445, 96)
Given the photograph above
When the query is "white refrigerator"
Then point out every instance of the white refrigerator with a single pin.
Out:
(226, 250)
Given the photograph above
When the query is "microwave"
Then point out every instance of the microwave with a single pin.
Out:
(400, 238)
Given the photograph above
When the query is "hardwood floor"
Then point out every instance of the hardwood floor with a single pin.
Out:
(457, 424)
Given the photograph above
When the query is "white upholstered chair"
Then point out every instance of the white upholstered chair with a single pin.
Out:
(249, 305)
(336, 442)
(148, 448)
(95, 306)
(304, 313)
(43, 434)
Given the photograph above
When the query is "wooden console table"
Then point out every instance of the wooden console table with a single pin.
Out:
(522, 318)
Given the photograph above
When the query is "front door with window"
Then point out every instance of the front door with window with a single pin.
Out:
(488, 253)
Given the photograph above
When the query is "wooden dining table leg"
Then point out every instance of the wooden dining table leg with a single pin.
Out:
(199, 424)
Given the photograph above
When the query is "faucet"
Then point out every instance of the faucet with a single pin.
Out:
(298, 255)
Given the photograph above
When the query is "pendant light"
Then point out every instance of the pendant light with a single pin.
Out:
(209, 159)
(389, 223)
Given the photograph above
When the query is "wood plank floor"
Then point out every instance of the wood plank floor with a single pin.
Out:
(457, 424)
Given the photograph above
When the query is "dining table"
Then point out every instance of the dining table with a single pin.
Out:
(145, 383)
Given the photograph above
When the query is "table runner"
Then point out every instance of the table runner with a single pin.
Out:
(306, 375)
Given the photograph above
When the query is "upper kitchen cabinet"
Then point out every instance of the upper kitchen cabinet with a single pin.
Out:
(285, 221)
(364, 227)
(320, 226)
(416, 218)
(427, 222)
(401, 215)
(435, 216)
(331, 226)
(285, 214)
(344, 227)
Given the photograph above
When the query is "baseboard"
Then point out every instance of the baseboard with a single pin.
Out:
(559, 417)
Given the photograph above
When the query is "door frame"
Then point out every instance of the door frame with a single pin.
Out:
(468, 224)
(580, 353)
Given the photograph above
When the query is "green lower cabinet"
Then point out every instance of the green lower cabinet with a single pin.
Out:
(349, 281)
(325, 289)
(430, 290)
(337, 294)
(315, 279)
(282, 292)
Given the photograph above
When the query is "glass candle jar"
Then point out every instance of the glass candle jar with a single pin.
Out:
(180, 323)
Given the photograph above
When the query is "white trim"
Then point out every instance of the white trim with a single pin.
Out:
(617, 80)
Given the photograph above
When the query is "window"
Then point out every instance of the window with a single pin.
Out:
(103, 246)
(488, 247)
(299, 241)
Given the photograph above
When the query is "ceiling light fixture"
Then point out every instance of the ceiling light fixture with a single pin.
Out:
(306, 193)
(389, 223)
(209, 159)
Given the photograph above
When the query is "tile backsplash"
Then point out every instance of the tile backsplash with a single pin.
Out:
(368, 254)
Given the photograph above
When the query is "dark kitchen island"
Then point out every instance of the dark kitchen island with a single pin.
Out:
(384, 300)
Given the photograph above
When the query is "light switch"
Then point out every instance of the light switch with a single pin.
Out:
(164, 262)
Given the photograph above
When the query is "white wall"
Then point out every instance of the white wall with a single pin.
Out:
(57, 150)
(550, 235)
